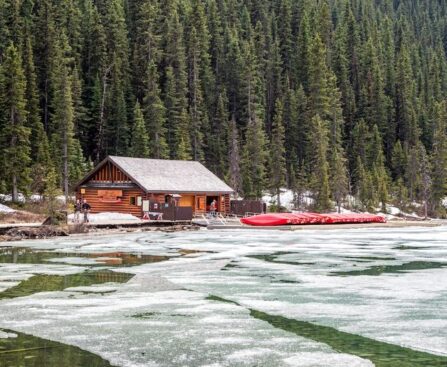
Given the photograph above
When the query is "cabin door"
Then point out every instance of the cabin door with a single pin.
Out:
(200, 204)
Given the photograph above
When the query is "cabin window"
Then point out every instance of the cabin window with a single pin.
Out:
(133, 200)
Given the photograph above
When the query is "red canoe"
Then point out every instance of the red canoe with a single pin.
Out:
(334, 218)
(281, 219)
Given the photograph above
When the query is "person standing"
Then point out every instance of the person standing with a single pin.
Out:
(77, 210)
(86, 209)
(213, 208)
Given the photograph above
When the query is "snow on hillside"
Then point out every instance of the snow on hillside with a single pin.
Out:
(286, 197)
(287, 202)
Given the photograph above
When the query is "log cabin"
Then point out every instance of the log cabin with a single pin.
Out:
(141, 186)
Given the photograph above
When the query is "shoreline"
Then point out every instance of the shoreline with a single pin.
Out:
(29, 231)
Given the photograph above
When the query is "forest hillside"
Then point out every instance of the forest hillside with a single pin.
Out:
(332, 97)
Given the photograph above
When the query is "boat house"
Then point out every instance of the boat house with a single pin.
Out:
(153, 187)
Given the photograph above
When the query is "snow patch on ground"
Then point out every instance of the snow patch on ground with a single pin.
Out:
(6, 209)
(8, 197)
(287, 199)
(106, 217)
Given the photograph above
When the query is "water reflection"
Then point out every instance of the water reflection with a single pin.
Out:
(48, 283)
(30, 351)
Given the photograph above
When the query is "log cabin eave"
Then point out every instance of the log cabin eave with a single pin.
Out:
(109, 185)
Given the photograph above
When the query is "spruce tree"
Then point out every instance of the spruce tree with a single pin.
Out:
(320, 172)
(426, 180)
(338, 177)
(234, 168)
(277, 171)
(139, 146)
(217, 138)
(62, 121)
(254, 160)
(366, 193)
(377, 163)
(155, 115)
(14, 133)
(439, 160)
(197, 108)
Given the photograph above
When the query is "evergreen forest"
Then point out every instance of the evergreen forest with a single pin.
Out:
(331, 97)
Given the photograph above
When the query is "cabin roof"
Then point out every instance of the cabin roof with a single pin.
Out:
(167, 176)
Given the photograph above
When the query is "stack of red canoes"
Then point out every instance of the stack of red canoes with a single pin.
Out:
(280, 219)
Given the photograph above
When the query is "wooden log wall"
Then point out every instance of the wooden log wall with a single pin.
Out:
(226, 202)
(124, 206)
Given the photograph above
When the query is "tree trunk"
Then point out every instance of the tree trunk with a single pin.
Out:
(278, 196)
(65, 160)
(101, 114)
(15, 193)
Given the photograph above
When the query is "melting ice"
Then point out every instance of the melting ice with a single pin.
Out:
(385, 284)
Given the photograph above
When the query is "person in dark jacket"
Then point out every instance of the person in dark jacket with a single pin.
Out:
(86, 209)
(77, 206)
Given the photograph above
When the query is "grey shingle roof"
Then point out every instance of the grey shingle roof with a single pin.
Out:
(171, 176)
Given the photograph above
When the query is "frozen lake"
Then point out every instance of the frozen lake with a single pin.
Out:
(358, 297)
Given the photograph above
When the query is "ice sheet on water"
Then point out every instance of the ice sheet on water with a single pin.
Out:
(305, 359)
(164, 328)
(162, 312)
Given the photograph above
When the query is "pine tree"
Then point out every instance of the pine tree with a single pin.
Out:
(338, 177)
(78, 166)
(377, 162)
(254, 160)
(439, 160)
(413, 177)
(405, 89)
(277, 170)
(139, 146)
(62, 120)
(318, 98)
(217, 138)
(146, 47)
(51, 191)
(197, 109)
(320, 172)
(234, 169)
(398, 160)
(155, 115)
(426, 181)
(176, 85)
(365, 189)
(13, 115)
(178, 137)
